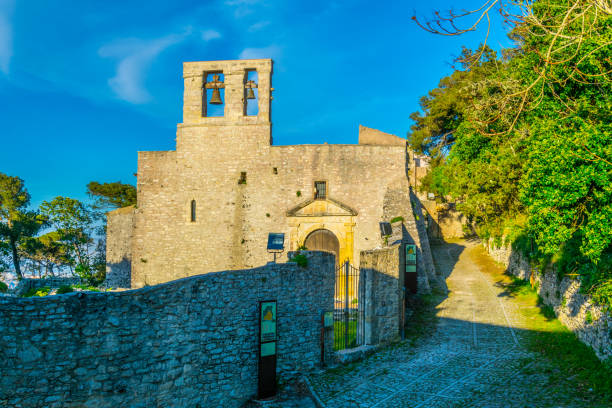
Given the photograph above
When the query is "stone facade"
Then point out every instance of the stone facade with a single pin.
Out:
(382, 270)
(444, 221)
(591, 323)
(188, 343)
(241, 187)
(119, 249)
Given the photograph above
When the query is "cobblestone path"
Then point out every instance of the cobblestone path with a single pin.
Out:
(473, 359)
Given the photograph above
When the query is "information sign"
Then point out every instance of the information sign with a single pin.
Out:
(267, 349)
(328, 319)
(268, 321)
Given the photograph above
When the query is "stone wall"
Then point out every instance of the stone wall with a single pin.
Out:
(591, 323)
(187, 343)
(444, 220)
(119, 229)
(53, 282)
(384, 293)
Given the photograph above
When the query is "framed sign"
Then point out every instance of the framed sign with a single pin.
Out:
(411, 254)
(328, 319)
(267, 349)
(268, 321)
(410, 275)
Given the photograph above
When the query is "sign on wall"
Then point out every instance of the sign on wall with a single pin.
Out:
(267, 349)
(410, 275)
(410, 258)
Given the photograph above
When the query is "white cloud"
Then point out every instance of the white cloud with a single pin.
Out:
(135, 56)
(210, 35)
(243, 8)
(258, 26)
(6, 35)
(271, 51)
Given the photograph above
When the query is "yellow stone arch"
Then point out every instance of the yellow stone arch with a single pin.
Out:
(323, 214)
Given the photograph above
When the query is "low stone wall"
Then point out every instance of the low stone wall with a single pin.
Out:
(384, 293)
(53, 282)
(590, 322)
(186, 343)
(445, 221)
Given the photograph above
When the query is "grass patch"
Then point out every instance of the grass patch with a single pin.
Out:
(575, 364)
(339, 331)
(422, 323)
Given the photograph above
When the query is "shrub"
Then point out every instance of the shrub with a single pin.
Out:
(300, 259)
(3, 287)
(43, 291)
(64, 289)
(396, 219)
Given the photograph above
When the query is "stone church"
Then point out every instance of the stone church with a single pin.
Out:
(209, 205)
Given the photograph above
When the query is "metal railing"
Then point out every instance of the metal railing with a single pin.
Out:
(349, 330)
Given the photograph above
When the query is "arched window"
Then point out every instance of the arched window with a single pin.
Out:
(193, 210)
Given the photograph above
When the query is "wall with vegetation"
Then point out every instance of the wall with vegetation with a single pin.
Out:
(591, 323)
(186, 343)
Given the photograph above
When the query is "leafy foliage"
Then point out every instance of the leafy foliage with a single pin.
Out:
(300, 259)
(3, 287)
(16, 221)
(531, 151)
(111, 195)
(39, 292)
(64, 289)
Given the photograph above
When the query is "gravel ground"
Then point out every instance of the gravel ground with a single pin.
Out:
(476, 356)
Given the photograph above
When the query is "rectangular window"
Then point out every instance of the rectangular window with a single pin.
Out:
(242, 179)
(320, 190)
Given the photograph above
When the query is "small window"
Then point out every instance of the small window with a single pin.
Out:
(193, 211)
(320, 190)
(274, 170)
(242, 179)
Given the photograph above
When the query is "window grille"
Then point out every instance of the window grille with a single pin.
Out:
(320, 190)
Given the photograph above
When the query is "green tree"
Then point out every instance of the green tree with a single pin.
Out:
(47, 250)
(532, 151)
(111, 195)
(74, 223)
(16, 221)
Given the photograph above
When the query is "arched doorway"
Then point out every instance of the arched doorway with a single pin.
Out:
(323, 240)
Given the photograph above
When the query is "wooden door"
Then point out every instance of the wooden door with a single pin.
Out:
(323, 240)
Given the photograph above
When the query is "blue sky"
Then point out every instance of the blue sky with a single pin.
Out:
(85, 85)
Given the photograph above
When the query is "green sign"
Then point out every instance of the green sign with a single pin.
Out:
(328, 319)
(268, 349)
(268, 321)
(411, 258)
(410, 253)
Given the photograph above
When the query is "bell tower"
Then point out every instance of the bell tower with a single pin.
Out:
(225, 99)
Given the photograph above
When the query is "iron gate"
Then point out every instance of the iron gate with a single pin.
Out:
(349, 307)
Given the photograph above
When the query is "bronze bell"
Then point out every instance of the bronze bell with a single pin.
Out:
(216, 97)
(250, 93)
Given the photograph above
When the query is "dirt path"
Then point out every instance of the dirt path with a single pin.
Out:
(476, 356)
